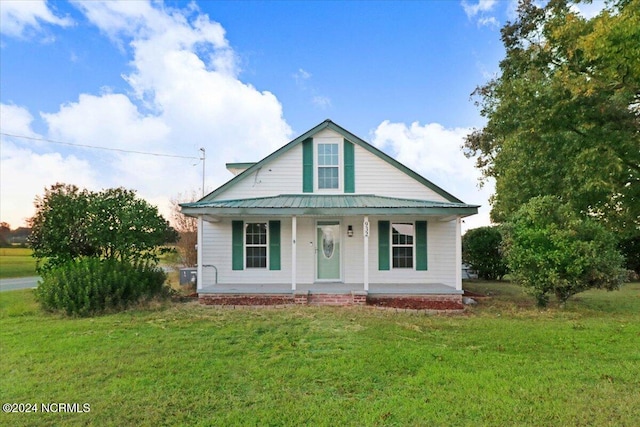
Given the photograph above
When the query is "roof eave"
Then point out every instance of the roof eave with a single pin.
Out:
(313, 211)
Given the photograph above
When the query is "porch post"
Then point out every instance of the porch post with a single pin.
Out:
(458, 254)
(293, 251)
(199, 276)
(366, 229)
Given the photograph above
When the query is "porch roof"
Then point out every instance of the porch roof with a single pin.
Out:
(325, 204)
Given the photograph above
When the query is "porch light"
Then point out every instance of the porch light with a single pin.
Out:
(350, 230)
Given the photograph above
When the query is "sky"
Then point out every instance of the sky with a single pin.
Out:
(239, 79)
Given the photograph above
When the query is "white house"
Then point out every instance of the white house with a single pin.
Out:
(328, 218)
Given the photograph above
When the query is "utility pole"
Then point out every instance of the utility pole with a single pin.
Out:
(203, 158)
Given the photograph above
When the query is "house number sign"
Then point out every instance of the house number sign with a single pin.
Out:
(366, 228)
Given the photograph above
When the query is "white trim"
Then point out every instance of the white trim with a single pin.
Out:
(294, 232)
(458, 254)
(244, 243)
(366, 227)
(413, 246)
(199, 272)
(328, 140)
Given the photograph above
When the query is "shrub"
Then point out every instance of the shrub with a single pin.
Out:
(88, 286)
(482, 250)
(553, 250)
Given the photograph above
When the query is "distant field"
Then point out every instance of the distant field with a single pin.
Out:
(503, 362)
(16, 262)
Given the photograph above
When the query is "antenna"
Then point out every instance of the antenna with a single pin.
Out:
(203, 158)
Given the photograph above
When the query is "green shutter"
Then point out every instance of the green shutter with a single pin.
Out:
(274, 245)
(349, 168)
(237, 239)
(383, 245)
(307, 165)
(421, 245)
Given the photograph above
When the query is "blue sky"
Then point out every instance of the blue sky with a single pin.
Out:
(240, 79)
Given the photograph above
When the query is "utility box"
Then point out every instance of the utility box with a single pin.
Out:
(188, 276)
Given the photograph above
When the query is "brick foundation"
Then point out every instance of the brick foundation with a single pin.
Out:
(412, 302)
(418, 302)
(231, 299)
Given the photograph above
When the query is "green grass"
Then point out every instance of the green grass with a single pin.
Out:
(502, 362)
(16, 262)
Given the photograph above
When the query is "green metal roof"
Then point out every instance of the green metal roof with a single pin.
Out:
(328, 124)
(314, 204)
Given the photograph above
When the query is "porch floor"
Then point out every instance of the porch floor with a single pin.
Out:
(333, 288)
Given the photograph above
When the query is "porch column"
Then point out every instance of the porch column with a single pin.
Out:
(458, 254)
(294, 227)
(365, 229)
(199, 276)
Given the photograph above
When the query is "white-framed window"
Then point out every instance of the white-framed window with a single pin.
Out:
(328, 165)
(255, 244)
(402, 241)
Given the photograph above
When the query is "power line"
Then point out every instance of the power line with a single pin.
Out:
(101, 148)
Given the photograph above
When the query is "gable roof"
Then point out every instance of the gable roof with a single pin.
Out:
(328, 124)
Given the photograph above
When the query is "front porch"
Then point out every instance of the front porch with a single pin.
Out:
(433, 296)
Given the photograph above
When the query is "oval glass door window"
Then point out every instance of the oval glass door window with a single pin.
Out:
(328, 245)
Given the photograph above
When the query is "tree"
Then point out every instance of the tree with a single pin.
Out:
(60, 226)
(482, 250)
(550, 249)
(563, 116)
(70, 223)
(187, 228)
(125, 227)
(5, 235)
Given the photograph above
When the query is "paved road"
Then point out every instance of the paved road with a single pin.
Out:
(20, 283)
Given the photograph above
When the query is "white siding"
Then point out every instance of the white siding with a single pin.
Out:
(373, 175)
(440, 251)
(281, 176)
(376, 176)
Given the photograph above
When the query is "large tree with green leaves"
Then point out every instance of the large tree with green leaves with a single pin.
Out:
(71, 223)
(563, 115)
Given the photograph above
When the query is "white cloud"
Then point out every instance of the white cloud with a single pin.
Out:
(16, 120)
(184, 93)
(588, 10)
(321, 101)
(25, 172)
(482, 12)
(474, 9)
(434, 152)
(19, 18)
(489, 21)
(302, 79)
(301, 75)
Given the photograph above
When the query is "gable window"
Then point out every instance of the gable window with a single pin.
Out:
(328, 166)
(402, 245)
(256, 244)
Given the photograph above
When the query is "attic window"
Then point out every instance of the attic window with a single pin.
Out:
(328, 166)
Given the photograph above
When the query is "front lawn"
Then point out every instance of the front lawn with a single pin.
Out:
(502, 362)
(16, 262)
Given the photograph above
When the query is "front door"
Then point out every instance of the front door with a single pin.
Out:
(328, 253)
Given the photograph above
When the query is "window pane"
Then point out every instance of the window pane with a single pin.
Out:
(403, 234)
(403, 257)
(328, 177)
(256, 234)
(328, 155)
(256, 257)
